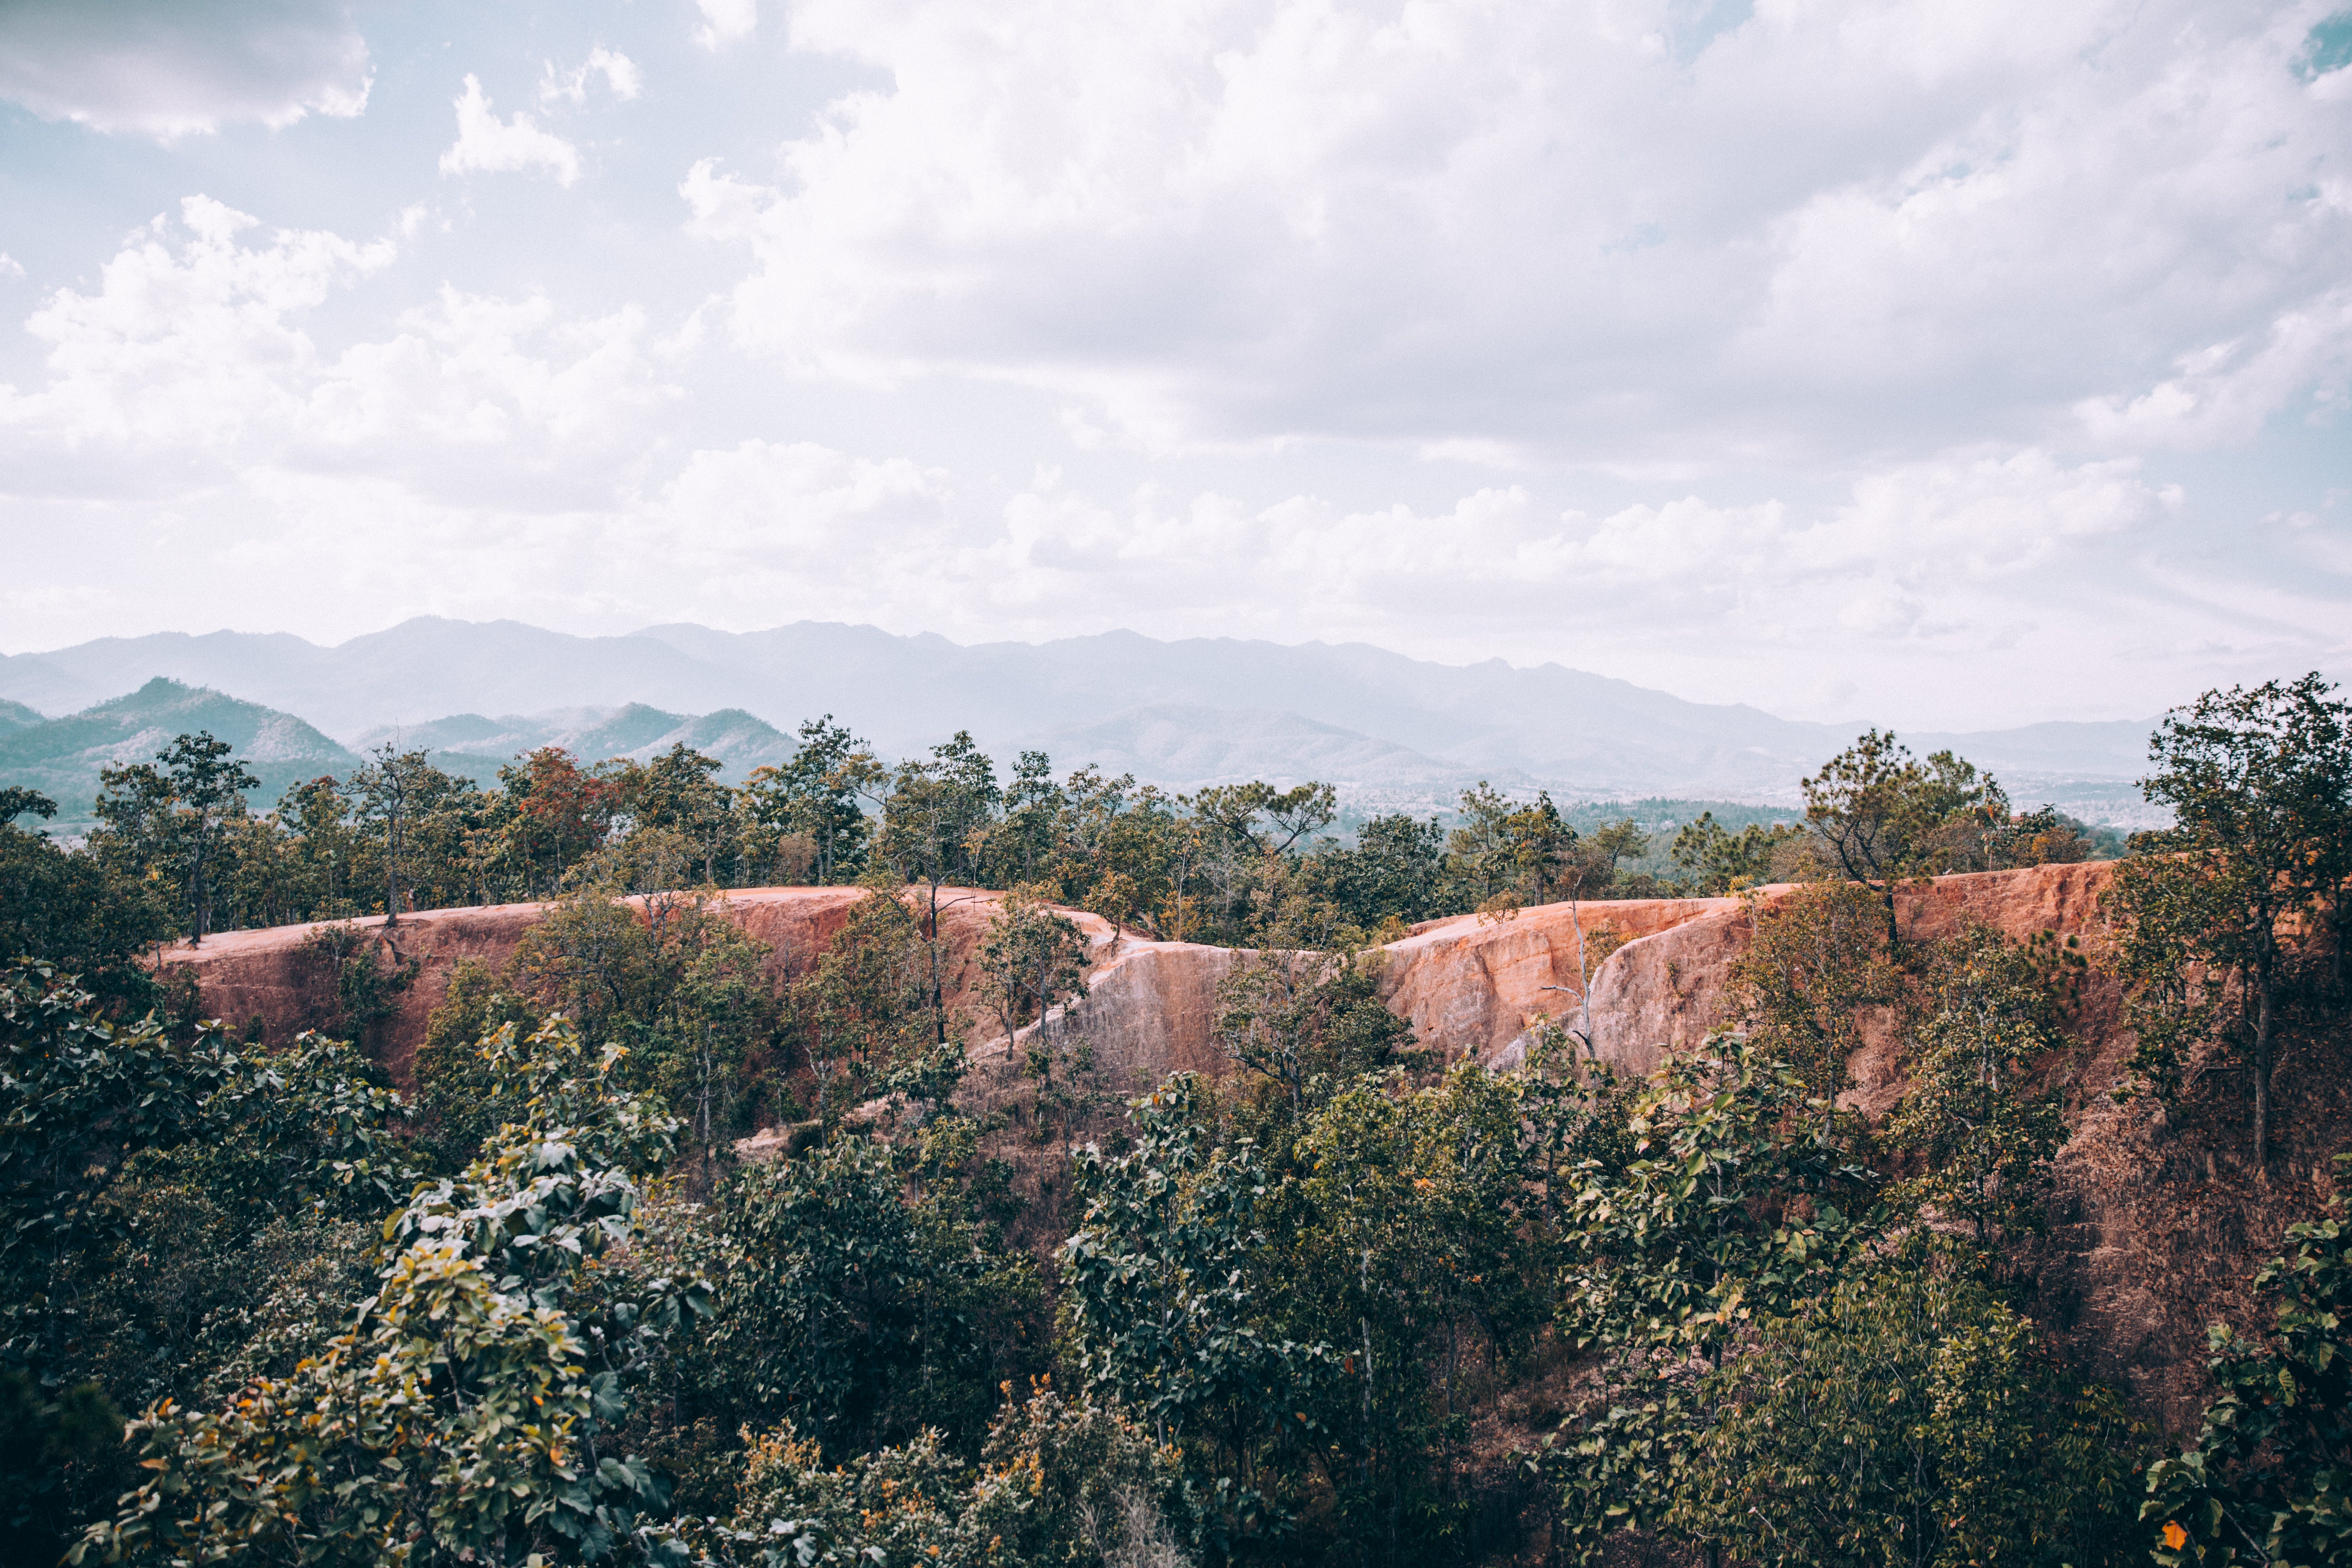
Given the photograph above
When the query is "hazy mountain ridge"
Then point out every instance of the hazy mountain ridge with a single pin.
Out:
(739, 739)
(1178, 713)
(1189, 745)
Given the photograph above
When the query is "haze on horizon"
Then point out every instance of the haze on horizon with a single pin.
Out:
(1964, 367)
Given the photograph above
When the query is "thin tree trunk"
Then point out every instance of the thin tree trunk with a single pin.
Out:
(196, 898)
(2266, 987)
(939, 996)
(392, 874)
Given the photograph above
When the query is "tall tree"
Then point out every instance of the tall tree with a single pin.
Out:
(1482, 855)
(1717, 861)
(679, 790)
(559, 810)
(816, 793)
(2265, 1481)
(1814, 963)
(82, 912)
(175, 812)
(1389, 872)
(932, 823)
(1882, 815)
(2260, 785)
(385, 793)
(1992, 1015)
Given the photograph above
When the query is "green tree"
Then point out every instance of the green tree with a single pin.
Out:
(1391, 871)
(1032, 962)
(2269, 1478)
(1882, 817)
(719, 1009)
(144, 1174)
(1243, 838)
(865, 1008)
(679, 790)
(336, 858)
(934, 821)
(2211, 910)
(857, 1315)
(1032, 958)
(84, 914)
(172, 817)
(1716, 862)
(78, 1096)
(58, 1452)
(467, 1411)
(1112, 845)
(1973, 1111)
(1815, 961)
(1163, 1305)
(1402, 1222)
(16, 802)
(462, 1094)
(1482, 855)
(384, 796)
(1906, 1417)
(1735, 1207)
(1024, 845)
(1060, 1485)
(366, 990)
(1605, 846)
(1305, 1022)
(816, 793)
(592, 958)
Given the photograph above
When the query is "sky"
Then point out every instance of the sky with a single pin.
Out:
(1950, 366)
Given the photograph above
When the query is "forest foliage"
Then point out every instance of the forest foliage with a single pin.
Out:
(1343, 1303)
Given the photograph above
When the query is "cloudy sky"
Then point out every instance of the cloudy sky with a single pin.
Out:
(1950, 365)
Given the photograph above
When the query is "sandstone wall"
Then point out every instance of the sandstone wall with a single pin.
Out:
(1470, 985)
(264, 975)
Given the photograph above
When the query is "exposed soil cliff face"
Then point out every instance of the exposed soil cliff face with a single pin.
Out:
(1470, 984)
(266, 975)
(2157, 1223)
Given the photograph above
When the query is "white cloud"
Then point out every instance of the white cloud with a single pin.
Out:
(2220, 396)
(195, 353)
(622, 78)
(491, 145)
(1895, 227)
(10, 267)
(191, 337)
(175, 67)
(726, 21)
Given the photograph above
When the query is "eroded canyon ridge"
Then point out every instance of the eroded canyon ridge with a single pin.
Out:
(1065, 1173)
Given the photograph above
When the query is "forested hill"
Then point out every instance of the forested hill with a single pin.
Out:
(1179, 713)
(62, 758)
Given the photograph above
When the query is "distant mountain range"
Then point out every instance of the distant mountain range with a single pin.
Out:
(1180, 713)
